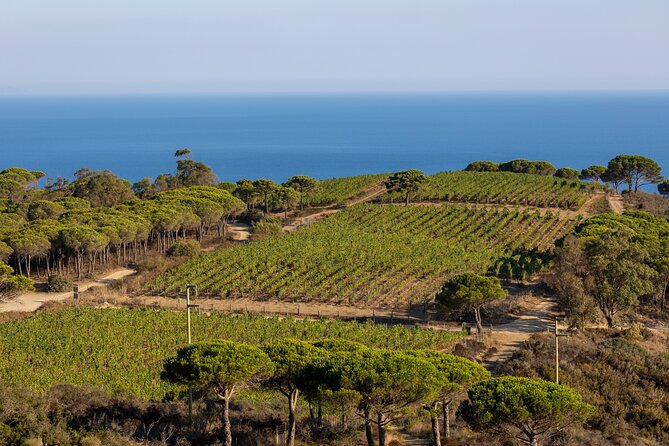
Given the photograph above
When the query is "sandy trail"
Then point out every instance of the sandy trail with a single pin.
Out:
(616, 203)
(509, 337)
(29, 302)
(239, 231)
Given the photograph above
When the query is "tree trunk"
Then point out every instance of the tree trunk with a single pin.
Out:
(266, 205)
(227, 428)
(368, 428)
(446, 410)
(292, 425)
(436, 435)
(301, 200)
(479, 325)
(382, 430)
(534, 441)
(406, 199)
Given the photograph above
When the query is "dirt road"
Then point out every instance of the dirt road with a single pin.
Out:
(509, 337)
(616, 203)
(29, 302)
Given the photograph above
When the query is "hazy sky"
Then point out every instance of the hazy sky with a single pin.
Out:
(132, 46)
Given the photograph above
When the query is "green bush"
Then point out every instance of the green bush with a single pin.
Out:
(58, 284)
(187, 248)
(267, 226)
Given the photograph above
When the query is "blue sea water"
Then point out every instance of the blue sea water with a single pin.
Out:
(276, 136)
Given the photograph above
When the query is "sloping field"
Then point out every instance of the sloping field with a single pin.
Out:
(500, 188)
(381, 255)
(337, 190)
(123, 349)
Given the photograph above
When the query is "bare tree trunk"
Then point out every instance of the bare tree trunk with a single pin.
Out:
(436, 435)
(368, 428)
(446, 410)
(292, 425)
(382, 430)
(479, 325)
(227, 428)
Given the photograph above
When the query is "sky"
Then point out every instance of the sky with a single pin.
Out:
(203, 46)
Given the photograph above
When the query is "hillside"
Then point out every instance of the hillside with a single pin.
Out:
(369, 254)
(500, 188)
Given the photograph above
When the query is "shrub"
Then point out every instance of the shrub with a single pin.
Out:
(267, 226)
(187, 248)
(58, 284)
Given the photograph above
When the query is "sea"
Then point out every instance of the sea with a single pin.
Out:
(276, 136)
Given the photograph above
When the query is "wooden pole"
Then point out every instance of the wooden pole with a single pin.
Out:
(557, 353)
(190, 389)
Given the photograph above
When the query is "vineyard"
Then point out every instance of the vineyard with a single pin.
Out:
(122, 349)
(500, 188)
(379, 255)
(337, 190)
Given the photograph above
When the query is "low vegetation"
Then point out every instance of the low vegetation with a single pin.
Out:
(616, 372)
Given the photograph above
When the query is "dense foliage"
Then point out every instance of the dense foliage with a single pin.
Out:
(530, 410)
(469, 291)
(614, 263)
(388, 255)
(500, 188)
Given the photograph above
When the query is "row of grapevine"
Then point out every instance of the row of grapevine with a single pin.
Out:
(369, 254)
(501, 188)
(122, 349)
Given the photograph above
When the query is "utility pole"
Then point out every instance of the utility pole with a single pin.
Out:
(190, 341)
(557, 351)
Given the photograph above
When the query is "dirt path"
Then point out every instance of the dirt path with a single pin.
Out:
(616, 203)
(29, 302)
(509, 337)
(239, 231)
(371, 193)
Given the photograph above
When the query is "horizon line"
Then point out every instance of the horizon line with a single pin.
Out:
(334, 92)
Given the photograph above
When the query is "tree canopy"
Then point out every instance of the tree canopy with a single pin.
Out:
(469, 291)
(526, 166)
(663, 188)
(303, 184)
(567, 173)
(593, 173)
(635, 170)
(529, 410)
(407, 182)
(219, 366)
(482, 166)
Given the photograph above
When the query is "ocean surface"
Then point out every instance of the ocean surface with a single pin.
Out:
(277, 136)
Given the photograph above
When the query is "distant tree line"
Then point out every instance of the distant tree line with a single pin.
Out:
(632, 170)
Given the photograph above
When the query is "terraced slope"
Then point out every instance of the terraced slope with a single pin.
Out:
(380, 255)
(501, 188)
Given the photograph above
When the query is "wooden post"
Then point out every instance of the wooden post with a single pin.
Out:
(557, 351)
